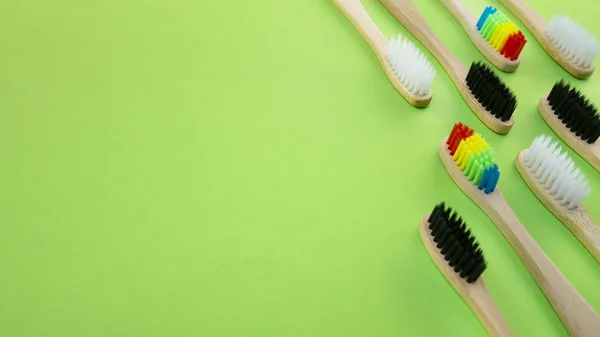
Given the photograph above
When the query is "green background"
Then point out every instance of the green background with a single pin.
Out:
(244, 168)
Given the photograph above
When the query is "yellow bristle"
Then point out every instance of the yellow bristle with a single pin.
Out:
(468, 147)
(494, 38)
(501, 34)
(459, 149)
(468, 155)
(511, 28)
(466, 150)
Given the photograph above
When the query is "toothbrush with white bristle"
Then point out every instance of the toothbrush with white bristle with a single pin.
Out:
(403, 63)
(561, 186)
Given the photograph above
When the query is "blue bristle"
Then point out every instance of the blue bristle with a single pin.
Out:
(489, 181)
(496, 178)
(490, 184)
(489, 10)
(484, 180)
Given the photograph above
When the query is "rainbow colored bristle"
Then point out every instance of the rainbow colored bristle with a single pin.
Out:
(500, 33)
(474, 156)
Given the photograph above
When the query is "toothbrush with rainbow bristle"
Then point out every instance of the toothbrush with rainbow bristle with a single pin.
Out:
(568, 43)
(469, 160)
(561, 186)
(405, 66)
(496, 37)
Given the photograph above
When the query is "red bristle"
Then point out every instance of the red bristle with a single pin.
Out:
(508, 47)
(453, 132)
(456, 134)
(461, 133)
(452, 148)
(523, 41)
(513, 46)
(466, 133)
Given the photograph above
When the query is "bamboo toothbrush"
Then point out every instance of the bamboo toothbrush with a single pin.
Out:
(459, 258)
(483, 91)
(469, 160)
(403, 63)
(498, 39)
(561, 187)
(568, 43)
(574, 119)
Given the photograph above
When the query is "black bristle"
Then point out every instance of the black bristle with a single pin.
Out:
(464, 259)
(575, 111)
(456, 255)
(435, 212)
(476, 272)
(455, 242)
(490, 91)
(448, 244)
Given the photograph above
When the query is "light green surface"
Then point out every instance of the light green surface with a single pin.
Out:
(244, 168)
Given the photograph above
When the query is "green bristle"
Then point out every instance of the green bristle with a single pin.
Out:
(472, 166)
(478, 163)
(469, 167)
(479, 174)
(473, 173)
(491, 23)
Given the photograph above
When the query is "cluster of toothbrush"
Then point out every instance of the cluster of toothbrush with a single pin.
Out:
(469, 159)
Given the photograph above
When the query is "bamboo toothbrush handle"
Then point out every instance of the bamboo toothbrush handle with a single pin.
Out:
(466, 18)
(577, 315)
(528, 16)
(594, 156)
(409, 16)
(484, 306)
(359, 17)
(583, 227)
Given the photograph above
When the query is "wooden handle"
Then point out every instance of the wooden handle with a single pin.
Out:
(578, 220)
(585, 229)
(359, 17)
(589, 152)
(577, 315)
(475, 294)
(409, 16)
(462, 14)
(530, 18)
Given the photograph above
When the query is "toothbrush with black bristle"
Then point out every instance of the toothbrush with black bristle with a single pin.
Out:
(496, 37)
(574, 119)
(483, 91)
(454, 251)
(469, 160)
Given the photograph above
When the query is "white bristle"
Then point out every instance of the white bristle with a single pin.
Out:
(410, 66)
(574, 42)
(556, 172)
